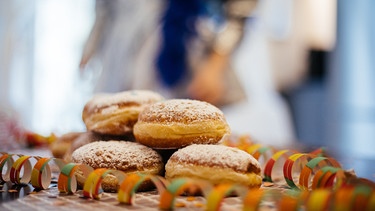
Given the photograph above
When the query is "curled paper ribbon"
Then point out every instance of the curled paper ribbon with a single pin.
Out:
(6, 163)
(353, 198)
(371, 203)
(67, 182)
(292, 201)
(253, 148)
(255, 197)
(265, 151)
(41, 174)
(92, 187)
(178, 187)
(288, 203)
(319, 152)
(219, 192)
(252, 199)
(327, 176)
(303, 159)
(342, 199)
(319, 199)
(275, 160)
(132, 182)
(22, 163)
(361, 196)
(310, 167)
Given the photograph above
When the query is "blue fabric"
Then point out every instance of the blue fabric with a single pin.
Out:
(177, 30)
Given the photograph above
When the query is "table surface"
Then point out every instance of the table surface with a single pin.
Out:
(25, 198)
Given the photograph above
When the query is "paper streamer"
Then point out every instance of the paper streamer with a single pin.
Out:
(92, 187)
(319, 199)
(361, 196)
(328, 177)
(67, 182)
(288, 168)
(290, 202)
(219, 192)
(41, 174)
(266, 152)
(253, 199)
(342, 199)
(253, 148)
(371, 204)
(276, 159)
(22, 164)
(6, 163)
(311, 167)
(317, 181)
(132, 182)
(178, 187)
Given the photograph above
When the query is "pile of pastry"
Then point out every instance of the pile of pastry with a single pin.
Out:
(141, 131)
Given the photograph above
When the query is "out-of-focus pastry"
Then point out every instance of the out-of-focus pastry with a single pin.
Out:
(63, 143)
(116, 113)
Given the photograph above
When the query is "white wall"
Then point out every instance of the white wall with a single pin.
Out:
(40, 47)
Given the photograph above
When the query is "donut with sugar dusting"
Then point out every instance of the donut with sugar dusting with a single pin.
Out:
(175, 123)
(214, 163)
(116, 113)
(129, 157)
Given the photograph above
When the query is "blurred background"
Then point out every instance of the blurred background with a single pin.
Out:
(319, 61)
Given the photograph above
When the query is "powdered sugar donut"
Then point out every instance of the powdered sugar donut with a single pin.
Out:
(215, 163)
(177, 123)
(129, 157)
(116, 113)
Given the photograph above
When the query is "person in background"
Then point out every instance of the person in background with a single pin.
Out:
(185, 37)
(197, 62)
(200, 49)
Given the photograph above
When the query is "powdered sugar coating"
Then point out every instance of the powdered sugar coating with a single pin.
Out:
(180, 110)
(139, 97)
(120, 155)
(216, 156)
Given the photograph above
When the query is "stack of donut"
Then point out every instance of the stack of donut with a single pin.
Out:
(194, 129)
(107, 116)
(174, 138)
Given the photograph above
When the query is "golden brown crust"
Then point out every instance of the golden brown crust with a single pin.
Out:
(129, 157)
(215, 163)
(173, 143)
(98, 108)
(116, 113)
(119, 155)
(181, 111)
(82, 138)
(180, 122)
